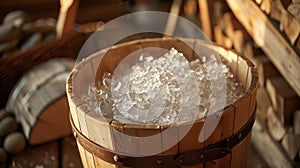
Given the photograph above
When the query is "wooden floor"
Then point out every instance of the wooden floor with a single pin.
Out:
(62, 153)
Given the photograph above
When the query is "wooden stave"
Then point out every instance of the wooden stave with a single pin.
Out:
(37, 90)
(248, 100)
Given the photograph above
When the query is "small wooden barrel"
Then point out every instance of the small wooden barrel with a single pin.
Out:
(39, 102)
(101, 146)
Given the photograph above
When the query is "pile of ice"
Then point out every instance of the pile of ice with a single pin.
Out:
(164, 90)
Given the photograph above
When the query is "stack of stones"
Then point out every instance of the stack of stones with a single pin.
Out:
(12, 141)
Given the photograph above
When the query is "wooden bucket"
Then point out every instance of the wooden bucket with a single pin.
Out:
(39, 103)
(99, 143)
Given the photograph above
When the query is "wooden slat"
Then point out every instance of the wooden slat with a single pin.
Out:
(115, 55)
(243, 71)
(242, 107)
(188, 134)
(99, 132)
(242, 112)
(269, 39)
(73, 109)
(82, 110)
(140, 137)
(252, 87)
(82, 155)
(169, 136)
(82, 78)
(241, 152)
(222, 131)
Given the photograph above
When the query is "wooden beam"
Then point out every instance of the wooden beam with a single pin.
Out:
(269, 39)
(205, 17)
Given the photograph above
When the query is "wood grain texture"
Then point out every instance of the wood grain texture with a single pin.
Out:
(269, 39)
(189, 138)
(243, 147)
(222, 131)
(284, 100)
(38, 98)
(111, 133)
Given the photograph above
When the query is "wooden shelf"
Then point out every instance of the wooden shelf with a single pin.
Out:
(267, 36)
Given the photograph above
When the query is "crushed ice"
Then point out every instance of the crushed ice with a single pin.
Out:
(163, 90)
